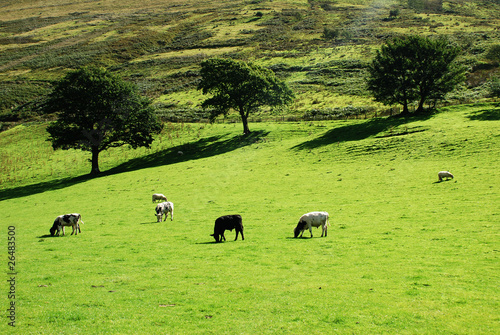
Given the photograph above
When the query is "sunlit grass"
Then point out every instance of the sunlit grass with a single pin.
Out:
(189, 53)
(404, 253)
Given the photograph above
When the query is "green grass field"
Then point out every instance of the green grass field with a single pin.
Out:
(404, 253)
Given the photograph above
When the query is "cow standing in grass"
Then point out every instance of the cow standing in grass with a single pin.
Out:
(227, 222)
(64, 221)
(313, 219)
(164, 208)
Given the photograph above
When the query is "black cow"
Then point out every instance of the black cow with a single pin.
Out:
(227, 222)
(66, 220)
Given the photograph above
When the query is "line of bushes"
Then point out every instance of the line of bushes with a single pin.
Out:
(337, 113)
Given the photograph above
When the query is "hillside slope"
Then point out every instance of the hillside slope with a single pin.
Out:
(320, 48)
(404, 254)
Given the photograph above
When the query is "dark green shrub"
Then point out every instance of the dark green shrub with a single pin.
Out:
(493, 53)
(330, 33)
(495, 87)
(394, 13)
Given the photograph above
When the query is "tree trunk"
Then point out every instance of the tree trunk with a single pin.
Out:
(244, 119)
(95, 161)
(405, 109)
(420, 108)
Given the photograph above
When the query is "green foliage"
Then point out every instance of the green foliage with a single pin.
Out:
(331, 33)
(495, 87)
(394, 13)
(97, 111)
(426, 5)
(336, 113)
(18, 95)
(241, 86)
(414, 69)
(494, 53)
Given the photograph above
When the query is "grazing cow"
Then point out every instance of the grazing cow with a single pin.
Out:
(313, 219)
(227, 222)
(159, 196)
(66, 220)
(164, 208)
(444, 174)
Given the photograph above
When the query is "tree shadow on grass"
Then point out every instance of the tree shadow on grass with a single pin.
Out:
(23, 191)
(486, 114)
(203, 148)
(362, 130)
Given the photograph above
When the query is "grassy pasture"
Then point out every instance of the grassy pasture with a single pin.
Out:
(404, 254)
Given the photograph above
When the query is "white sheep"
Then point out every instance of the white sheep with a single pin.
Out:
(159, 196)
(444, 174)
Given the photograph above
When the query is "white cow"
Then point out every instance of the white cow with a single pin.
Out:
(313, 219)
(164, 208)
(159, 196)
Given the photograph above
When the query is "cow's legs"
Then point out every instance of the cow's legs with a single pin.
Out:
(63, 230)
(237, 232)
(311, 231)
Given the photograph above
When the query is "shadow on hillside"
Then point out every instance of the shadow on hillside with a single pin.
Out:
(361, 131)
(23, 191)
(202, 148)
(486, 115)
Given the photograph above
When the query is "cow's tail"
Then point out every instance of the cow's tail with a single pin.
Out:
(80, 218)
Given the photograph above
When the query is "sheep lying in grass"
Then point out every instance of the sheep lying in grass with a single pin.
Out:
(444, 174)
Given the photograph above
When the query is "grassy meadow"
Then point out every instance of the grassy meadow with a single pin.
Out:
(405, 254)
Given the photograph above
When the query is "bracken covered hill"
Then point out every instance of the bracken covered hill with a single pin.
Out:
(321, 48)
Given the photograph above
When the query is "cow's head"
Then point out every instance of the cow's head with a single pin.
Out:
(53, 230)
(299, 228)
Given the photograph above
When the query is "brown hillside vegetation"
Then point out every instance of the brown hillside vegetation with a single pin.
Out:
(321, 48)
